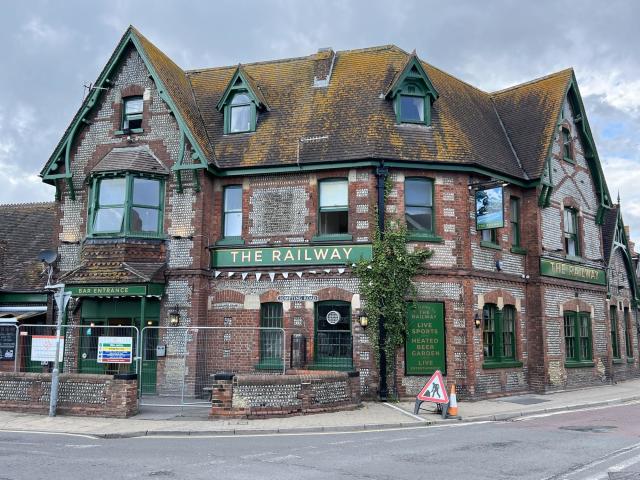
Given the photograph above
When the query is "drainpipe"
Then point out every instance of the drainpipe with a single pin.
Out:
(381, 173)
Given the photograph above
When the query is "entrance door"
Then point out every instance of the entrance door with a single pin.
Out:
(149, 367)
(333, 347)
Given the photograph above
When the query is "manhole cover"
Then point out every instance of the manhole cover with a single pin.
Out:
(589, 428)
(524, 400)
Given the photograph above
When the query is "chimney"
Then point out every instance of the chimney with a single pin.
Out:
(323, 66)
(632, 246)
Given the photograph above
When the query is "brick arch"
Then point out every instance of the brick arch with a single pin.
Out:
(492, 297)
(576, 305)
(334, 293)
(269, 296)
(131, 91)
(228, 296)
(571, 203)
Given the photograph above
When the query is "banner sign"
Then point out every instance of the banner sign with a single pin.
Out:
(115, 349)
(288, 256)
(107, 290)
(7, 342)
(489, 208)
(425, 342)
(572, 271)
(43, 348)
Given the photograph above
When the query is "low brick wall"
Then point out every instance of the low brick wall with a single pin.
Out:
(95, 395)
(297, 392)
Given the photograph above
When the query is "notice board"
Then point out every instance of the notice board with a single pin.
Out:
(425, 343)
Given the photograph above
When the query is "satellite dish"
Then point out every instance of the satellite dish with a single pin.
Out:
(47, 256)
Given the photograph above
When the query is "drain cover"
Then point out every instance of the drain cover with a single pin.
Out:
(589, 428)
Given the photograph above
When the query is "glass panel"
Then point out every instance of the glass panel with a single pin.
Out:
(411, 109)
(508, 332)
(515, 210)
(569, 221)
(333, 334)
(233, 199)
(108, 220)
(585, 350)
(489, 235)
(569, 337)
(417, 192)
(144, 219)
(570, 244)
(489, 330)
(240, 120)
(613, 318)
(146, 192)
(133, 105)
(233, 224)
(240, 98)
(334, 222)
(334, 194)
(271, 340)
(419, 218)
(627, 333)
(112, 191)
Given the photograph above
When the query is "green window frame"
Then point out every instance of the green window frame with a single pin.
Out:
(570, 234)
(412, 104)
(499, 336)
(271, 341)
(578, 338)
(615, 344)
(489, 238)
(240, 113)
(127, 204)
(567, 148)
(418, 206)
(627, 333)
(232, 220)
(514, 210)
(333, 209)
(132, 111)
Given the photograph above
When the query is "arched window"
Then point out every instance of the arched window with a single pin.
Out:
(241, 113)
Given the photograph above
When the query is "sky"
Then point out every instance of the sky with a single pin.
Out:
(51, 49)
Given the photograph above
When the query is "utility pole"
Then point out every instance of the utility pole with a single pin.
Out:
(62, 298)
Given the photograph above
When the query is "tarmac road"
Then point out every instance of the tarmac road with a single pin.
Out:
(575, 445)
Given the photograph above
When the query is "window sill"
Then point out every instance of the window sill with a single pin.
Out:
(345, 364)
(133, 130)
(230, 241)
(336, 237)
(486, 244)
(617, 361)
(573, 258)
(424, 237)
(630, 360)
(582, 364)
(275, 364)
(488, 365)
(518, 250)
(569, 160)
(143, 236)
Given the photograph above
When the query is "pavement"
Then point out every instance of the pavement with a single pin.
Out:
(155, 420)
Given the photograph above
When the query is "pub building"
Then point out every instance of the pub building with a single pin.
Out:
(242, 196)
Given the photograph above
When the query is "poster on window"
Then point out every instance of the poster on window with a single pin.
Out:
(7, 342)
(489, 208)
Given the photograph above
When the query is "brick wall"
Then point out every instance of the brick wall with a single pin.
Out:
(82, 395)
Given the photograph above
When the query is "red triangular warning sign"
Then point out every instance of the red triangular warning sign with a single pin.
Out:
(434, 390)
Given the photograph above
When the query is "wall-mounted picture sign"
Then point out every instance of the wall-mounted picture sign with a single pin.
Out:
(489, 208)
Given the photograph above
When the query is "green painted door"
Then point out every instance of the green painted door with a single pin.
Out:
(333, 347)
(90, 331)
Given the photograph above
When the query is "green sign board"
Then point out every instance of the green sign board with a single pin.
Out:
(289, 256)
(425, 343)
(572, 271)
(107, 290)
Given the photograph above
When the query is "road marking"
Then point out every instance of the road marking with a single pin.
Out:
(615, 468)
(564, 412)
(37, 432)
(402, 410)
(283, 458)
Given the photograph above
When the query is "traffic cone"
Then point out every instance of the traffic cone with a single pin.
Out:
(453, 403)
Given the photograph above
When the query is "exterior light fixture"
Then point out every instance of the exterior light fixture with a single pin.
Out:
(174, 317)
(364, 320)
(476, 320)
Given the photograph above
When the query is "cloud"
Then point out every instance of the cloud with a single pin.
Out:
(42, 33)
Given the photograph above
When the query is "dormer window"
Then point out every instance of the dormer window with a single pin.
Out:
(411, 108)
(132, 113)
(241, 113)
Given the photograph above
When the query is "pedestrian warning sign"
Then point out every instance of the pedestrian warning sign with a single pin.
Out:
(434, 390)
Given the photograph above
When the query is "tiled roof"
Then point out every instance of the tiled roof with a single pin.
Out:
(115, 272)
(25, 230)
(138, 159)
(609, 231)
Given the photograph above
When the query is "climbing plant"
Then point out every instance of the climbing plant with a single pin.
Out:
(386, 286)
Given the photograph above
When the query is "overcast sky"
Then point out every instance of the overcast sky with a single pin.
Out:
(50, 49)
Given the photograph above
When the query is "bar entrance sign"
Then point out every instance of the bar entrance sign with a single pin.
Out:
(115, 349)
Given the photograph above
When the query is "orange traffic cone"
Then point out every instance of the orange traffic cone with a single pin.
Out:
(453, 402)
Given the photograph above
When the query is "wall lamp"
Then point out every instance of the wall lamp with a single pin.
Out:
(476, 320)
(363, 319)
(174, 317)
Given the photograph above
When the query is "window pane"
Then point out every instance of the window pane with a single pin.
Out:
(489, 235)
(240, 120)
(515, 210)
(411, 109)
(489, 328)
(613, 318)
(569, 221)
(240, 98)
(419, 218)
(334, 222)
(112, 191)
(233, 224)
(417, 192)
(144, 219)
(508, 332)
(271, 340)
(233, 199)
(108, 220)
(133, 105)
(569, 337)
(334, 194)
(571, 246)
(146, 192)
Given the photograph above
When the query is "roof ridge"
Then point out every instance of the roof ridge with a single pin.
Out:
(506, 134)
(292, 59)
(455, 78)
(26, 204)
(530, 82)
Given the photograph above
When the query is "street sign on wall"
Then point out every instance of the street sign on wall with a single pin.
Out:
(425, 342)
